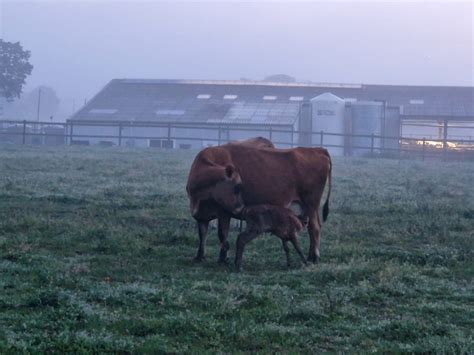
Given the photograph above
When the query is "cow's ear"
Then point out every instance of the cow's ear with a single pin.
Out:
(229, 171)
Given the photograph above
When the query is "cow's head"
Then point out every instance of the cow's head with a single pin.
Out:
(221, 188)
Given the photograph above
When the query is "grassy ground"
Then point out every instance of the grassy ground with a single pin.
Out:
(96, 250)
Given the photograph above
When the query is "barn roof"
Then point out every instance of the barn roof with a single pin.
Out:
(212, 101)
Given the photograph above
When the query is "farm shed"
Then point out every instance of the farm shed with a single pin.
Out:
(198, 113)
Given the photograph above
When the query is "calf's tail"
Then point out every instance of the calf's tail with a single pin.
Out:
(326, 204)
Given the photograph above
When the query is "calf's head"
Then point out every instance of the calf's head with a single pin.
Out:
(217, 188)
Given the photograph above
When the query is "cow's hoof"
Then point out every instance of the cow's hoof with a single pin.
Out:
(199, 259)
(313, 259)
(223, 256)
(223, 261)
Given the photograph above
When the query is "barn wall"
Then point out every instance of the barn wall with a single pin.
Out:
(184, 138)
(427, 129)
(434, 130)
(467, 132)
(84, 133)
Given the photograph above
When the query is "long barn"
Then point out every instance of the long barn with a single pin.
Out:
(197, 113)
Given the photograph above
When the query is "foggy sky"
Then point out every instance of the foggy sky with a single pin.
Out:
(77, 47)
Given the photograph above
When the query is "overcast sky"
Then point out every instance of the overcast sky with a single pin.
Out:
(78, 46)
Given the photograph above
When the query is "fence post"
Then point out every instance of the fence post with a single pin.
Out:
(322, 137)
(292, 135)
(399, 147)
(351, 144)
(71, 135)
(24, 132)
(120, 134)
(169, 134)
(218, 135)
(423, 151)
(372, 145)
(445, 139)
(271, 133)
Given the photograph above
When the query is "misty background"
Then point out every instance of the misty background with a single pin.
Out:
(78, 46)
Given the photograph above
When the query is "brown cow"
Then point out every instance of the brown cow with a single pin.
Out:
(279, 221)
(224, 178)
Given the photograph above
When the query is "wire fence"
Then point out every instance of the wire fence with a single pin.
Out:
(187, 135)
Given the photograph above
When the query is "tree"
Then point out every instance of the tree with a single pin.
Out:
(49, 103)
(26, 107)
(14, 68)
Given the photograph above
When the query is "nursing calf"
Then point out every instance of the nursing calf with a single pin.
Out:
(280, 221)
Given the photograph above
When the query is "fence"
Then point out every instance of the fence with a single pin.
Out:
(199, 135)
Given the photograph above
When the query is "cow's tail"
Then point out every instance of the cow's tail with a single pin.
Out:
(326, 204)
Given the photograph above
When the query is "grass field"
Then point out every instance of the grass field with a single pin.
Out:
(96, 249)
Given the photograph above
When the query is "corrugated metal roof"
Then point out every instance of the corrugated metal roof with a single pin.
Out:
(140, 100)
(240, 82)
(261, 113)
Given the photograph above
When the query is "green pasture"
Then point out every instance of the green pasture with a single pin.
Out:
(96, 249)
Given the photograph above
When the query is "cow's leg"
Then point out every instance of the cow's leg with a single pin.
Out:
(223, 232)
(284, 243)
(314, 230)
(202, 229)
(297, 246)
(242, 239)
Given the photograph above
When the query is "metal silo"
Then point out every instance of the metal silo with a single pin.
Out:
(367, 119)
(328, 117)
(305, 125)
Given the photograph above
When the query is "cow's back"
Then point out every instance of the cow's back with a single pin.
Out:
(256, 142)
(279, 176)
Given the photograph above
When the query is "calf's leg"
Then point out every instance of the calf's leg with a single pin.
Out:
(284, 243)
(223, 226)
(297, 246)
(242, 239)
(202, 230)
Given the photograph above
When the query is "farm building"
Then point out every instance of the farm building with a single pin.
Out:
(199, 113)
